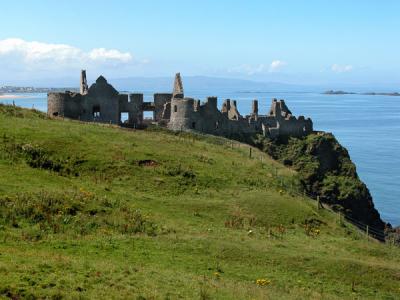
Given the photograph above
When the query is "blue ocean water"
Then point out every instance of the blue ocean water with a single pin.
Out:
(368, 126)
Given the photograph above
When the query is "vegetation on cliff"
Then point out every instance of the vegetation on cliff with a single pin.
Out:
(96, 211)
(326, 171)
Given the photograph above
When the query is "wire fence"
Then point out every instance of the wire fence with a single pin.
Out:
(368, 230)
(255, 153)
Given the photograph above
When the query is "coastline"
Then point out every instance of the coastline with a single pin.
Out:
(10, 96)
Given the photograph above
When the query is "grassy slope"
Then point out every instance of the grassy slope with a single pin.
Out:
(194, 209)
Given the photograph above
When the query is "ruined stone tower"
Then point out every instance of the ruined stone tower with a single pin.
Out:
(103, 103)
(254, 108)
(178, 87)
(83, 84)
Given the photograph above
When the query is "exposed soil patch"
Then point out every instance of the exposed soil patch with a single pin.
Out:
(147, 163)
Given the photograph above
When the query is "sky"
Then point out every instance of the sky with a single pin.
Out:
(301, 42)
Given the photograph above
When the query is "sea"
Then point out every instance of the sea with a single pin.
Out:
(368, 126)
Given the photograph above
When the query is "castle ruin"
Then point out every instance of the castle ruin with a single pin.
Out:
(102, 103)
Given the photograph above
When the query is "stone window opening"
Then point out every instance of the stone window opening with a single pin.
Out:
(124, 117)
(96, 111)
(193, 125)
(55, 114)
(149, 115)
(175, 108)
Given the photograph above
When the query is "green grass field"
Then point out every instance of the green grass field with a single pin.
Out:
(95, 211)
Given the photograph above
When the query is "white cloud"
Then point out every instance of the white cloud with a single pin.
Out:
(104, 54)
(341, 68)
(248, 69)
(20, 54)
(276, 65)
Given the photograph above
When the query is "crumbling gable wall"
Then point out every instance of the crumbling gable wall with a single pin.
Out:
(189, 114)
(177, 91)
(83, 83)
(285, 123)
(102, 103)
(160, 100)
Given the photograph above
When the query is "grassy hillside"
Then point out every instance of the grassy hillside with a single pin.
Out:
(94, 211)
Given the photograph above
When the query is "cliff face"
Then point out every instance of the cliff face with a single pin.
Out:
(326, 170)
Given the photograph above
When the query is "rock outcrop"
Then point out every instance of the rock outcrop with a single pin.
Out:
(326, 170)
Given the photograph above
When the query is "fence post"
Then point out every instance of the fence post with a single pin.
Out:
(320, 206)
(367, 232)
(250, 152)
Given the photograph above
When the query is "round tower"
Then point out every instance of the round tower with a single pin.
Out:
(56, 104)
(182, 114)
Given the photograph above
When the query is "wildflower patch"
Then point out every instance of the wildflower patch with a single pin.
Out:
(312, 227)
(263, 282)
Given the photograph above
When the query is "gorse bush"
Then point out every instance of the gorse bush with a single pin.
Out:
(80, 211)
(312, 227)
(38, 157)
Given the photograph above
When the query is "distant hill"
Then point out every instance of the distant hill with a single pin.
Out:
(201, 83)
(332, 92)
(195, 83)
(164, 84)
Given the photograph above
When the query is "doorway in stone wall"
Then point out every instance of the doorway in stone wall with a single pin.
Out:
(96, 112)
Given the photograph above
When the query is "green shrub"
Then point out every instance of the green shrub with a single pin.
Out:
(79, 211)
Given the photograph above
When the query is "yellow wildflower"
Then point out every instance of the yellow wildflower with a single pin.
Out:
(263, 282)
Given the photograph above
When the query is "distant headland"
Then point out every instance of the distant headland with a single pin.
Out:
(27, 89)
(332, 92)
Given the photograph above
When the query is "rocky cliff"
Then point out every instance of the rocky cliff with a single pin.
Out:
(326, 170)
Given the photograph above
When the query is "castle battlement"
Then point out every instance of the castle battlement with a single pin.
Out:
(102, 103)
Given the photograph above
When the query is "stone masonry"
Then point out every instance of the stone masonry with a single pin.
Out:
(102, 103)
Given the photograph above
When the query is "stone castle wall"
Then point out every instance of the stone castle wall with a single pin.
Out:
(102, 103)
(56, 104)
(65, 105)
(189, 114)
(160, 99)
